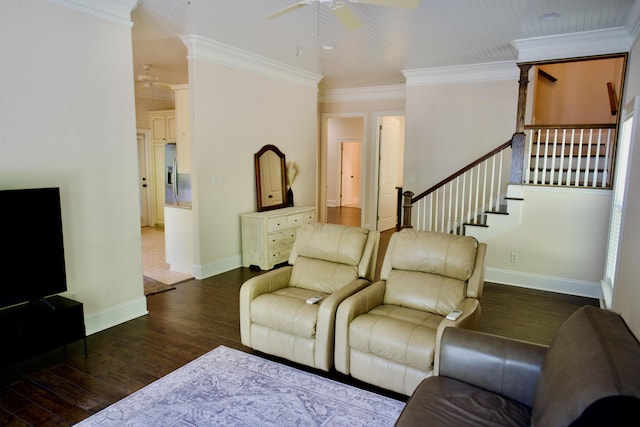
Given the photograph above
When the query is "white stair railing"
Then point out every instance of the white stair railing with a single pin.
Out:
(465, 197)
(570, 155)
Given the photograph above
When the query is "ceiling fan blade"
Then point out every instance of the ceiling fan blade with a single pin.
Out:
(403, 4)
(347, 17)
(287, 9)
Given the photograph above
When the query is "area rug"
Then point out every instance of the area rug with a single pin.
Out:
(227, 387)
(152, 286)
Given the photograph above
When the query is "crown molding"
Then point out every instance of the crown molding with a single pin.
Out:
(219, 53)
(118, 11)
(371, 93)
(574, 45)
(633, 22)
(485, 72)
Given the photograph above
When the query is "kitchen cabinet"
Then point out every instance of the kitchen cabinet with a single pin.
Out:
(268, 236)
(183, 141)
(163, 126)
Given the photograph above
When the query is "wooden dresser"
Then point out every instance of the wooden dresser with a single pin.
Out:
(267, 237)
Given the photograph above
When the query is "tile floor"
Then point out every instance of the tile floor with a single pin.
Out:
(153, 258)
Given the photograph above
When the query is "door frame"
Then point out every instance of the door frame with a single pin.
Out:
(150, 174)
(369, 166)
(321, 166)
(379, 160)
(360, 189)
(375, 165)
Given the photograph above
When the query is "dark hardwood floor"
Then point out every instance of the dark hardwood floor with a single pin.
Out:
(62, 387)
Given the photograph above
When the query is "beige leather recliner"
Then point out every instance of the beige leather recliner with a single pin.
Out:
(330, 260)
(388, 333)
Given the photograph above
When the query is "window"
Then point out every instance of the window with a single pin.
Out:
(617, 204)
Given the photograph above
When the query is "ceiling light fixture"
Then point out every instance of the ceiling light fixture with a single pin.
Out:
(146, 78)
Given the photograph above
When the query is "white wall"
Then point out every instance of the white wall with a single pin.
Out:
(560, 242)
(234, 112)
(451, 124)
(68, 120)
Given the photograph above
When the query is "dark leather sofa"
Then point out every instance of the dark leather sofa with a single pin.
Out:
(589, 375)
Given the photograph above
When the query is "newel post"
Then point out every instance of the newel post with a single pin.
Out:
(517, 158)
(406, 209)
(517, 141)
(522, 96)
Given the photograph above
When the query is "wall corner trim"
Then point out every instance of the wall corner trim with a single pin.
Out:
(484, 72)
(219, 53)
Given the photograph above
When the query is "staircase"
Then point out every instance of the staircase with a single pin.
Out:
(486, 197)
(492, 222)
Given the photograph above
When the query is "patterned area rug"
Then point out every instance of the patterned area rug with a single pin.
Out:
(152, 286)
(227, 387)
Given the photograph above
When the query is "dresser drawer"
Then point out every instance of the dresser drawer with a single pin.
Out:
(308, 217)
(278, 223)
(283, 237)
(294, 221)
(289, 236)
(279, 254)
(276, 239)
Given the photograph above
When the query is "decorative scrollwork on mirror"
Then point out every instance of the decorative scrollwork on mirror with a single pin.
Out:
(271, 189)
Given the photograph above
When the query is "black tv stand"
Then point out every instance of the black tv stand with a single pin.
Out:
(46, 303)
(33, 328)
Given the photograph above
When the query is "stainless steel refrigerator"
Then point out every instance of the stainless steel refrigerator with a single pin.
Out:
(177, 185)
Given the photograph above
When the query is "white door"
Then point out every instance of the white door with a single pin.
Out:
(389, 170)
(143, 181)
(350, 173)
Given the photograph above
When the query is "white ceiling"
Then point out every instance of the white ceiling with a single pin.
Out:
(438, 33)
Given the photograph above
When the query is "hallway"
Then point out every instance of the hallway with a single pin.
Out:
(343, 215)
(153, 258)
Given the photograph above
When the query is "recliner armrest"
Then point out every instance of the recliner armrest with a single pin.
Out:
(349, 309)
(267, 282)
(469, 319)
(501, 365)
(325, 326)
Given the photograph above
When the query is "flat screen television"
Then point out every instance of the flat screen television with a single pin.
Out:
(33, 263)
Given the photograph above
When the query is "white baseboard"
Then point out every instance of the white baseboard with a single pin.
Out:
(115, 315)
(217, 267)
(544, 283)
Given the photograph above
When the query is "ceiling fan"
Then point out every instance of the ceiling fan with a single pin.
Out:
(341, 11)
(149, 80)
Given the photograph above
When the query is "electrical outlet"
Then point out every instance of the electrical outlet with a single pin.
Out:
(514, 257)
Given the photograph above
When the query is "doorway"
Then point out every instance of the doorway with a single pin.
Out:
(350, 152)
(143, 181)
(340, 128)
(390, 169)
(342, 161)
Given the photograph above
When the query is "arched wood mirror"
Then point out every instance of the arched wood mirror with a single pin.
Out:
(271, 187)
